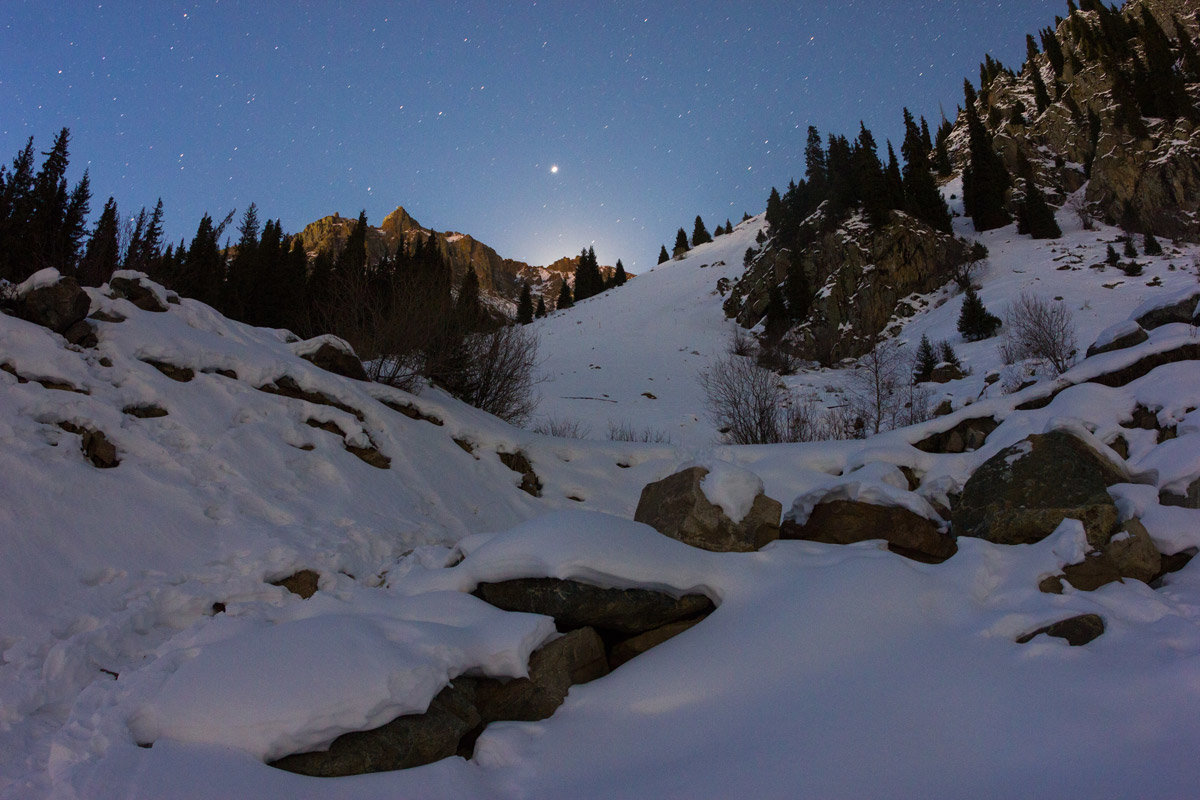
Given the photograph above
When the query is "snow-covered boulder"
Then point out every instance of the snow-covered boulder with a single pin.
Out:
(1178, 306)
(1118, 337)
(722, 509)
(138, 289)
(1022, 494)
(50, 300)
(332, 355)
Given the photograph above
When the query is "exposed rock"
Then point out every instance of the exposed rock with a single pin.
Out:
(519, 462)
(405, 742)
(286, 386)
(132, 288)
(1182, 309)
(1127, 336)
(99, 450)
(576, 657)
(370, 455)
(944, 373)
(412, 412)
(81, 334)
(579, 605)
(970, 434)
(1133, 553)
(1189, 499)
(303, 583)
(1077, 631)
(1094, 571)
(847, 521)
(57, 305)
(634, 646)
(144, 411)
(677, 507)
(332, 355)
(175, 373)
(1021, 494)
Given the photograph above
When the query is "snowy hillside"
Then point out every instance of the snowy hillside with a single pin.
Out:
(146, 653)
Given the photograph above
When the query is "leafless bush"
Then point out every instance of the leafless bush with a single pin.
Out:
(874, 391)
(745, 401)
(774, 356)
(741, 343)
(1039, 329)
(625, 432)
(562, 428)
(1079, 206)
(965, 272)
(495, 371)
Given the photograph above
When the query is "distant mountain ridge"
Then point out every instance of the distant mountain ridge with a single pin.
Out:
(500, 279)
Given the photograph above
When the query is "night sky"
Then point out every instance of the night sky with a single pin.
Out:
(537, 127)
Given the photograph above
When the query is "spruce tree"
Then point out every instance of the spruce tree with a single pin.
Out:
(925, 362)
(1040, 95)
(975, 322)
(15, 201)
(1035, 215)
(699, 234)
(541, 308)
(48, 205)
(681, 243)
(948, 356)
(564, 297)
(985, 180)
(525, 306)
(1150, 245)
(103, 249)
(467, 307)
(619, 276)
(893, 181)
(663, 255)
(1110, 257)
(868, 178)
(816, 171)
(1130, 250)
(728, 226)
(921, 196)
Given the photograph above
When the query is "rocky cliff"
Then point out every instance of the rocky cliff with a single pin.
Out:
(500, 279)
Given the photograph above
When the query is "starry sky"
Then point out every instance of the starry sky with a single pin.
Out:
(537, 127)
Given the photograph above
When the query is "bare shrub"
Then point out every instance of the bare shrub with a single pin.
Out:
(495, 372)
(1079, 207)
(745, 401)
(966, 272)
(562, 428)
(1041, 329)
(741, 343)
(625, 432)
(874, 391)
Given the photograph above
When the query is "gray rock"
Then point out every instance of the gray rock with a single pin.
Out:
(677, 507)
(56, 306)
(1133, 337)
(846, 522)
(1134, 555)
(580, 605)
(576, 657)
(1021, 494)
(1180, 311)
(407, 741)
(1077, 631)
(634, 646)
(136, 292)
(334, 355)
(99, 450)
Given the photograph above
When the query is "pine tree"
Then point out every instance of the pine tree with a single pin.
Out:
(663, 255)
(985, 180)
(353, 258)
(1187, 49)
(1130, 250)
(619, 276)
(681, 243)
(1150, 245)
(868, 178)
(777, 313)
(48, 204)
(816, 170)
(948, 356)
(921, 196)
(525, 306)
(1170, 98)
(467, 308)
(541, 308)
(892, 180)
(1053, 50)
(975, 322)
(71, 234)
(564, 297)
(14, 215)
(699, 234)
(925, 362)
(1110, 257)
(588, 281)
(728, 226)
(941, 151)
(1040, 95)
(797, 293)
(1035, 215)
(103, 248)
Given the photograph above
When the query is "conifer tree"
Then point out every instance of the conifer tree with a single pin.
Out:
(941, 151)
(541, 308)
(1035, 217)
(816, 170)
(797, 293)
(948, 356)
(588, 281)
(728, 226)
(48, 205)
(777, 313)
(353, 258)
(681, 243)
(699, 234)
(525, 306)
(975, 322)
(925, 361)
(15, 201)
(1187, 49)
(868, 178)
(1130, 250)
(1150, 245)
(1040, 95)
(841, 193)
(985, 180)
(467, 308)
(1110, 257)
(921, 196)
(564, 297)
(103, 249)
(892, 180)
(619, 276)
(663, 255)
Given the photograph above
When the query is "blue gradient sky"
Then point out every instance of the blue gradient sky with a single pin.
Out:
(653, 112)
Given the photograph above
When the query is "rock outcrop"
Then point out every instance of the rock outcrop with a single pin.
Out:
(677, 507)
(846, 522)
(52, 301)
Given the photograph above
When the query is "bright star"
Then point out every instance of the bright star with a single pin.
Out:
(553, 169)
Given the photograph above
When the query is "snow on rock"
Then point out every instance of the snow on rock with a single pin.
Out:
(878, 487)
(38, 280)
(730, 488)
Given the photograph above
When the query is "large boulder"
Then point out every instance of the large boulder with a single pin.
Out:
(677, 507)
(849, 521)
(1021, 494)
(139, 290)
(1077, 631)
(1118, 337)
(52, 301)
(576, 657)
(581, 605)
(407, 741)
(1179, 306)
(1133, 553)
(332, 355)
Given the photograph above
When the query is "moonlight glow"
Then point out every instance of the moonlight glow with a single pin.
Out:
(554, 169)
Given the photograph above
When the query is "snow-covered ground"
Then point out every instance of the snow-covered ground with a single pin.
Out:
(826, 671)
